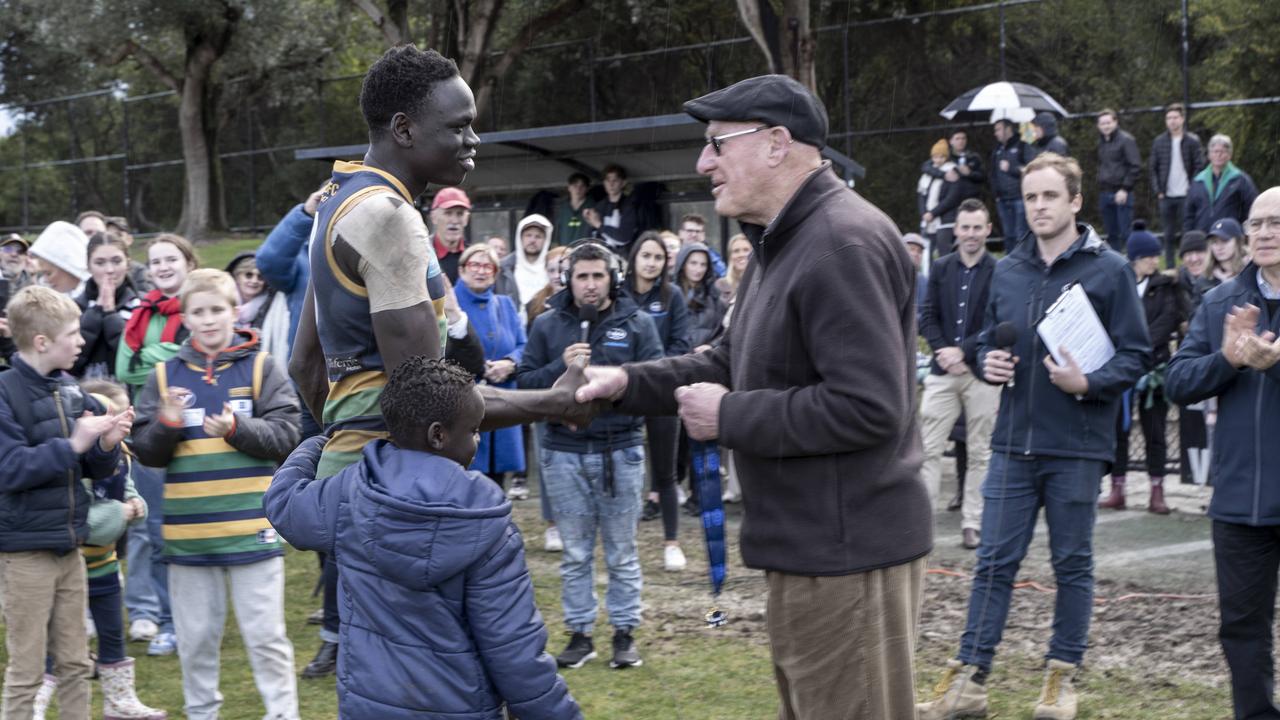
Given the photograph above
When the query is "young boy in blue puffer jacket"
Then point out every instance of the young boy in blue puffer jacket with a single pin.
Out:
(435, 599)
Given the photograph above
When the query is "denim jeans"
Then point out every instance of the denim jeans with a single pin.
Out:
(147, 583)
(1013, 221)
(1015, 489)
(582, 502)
(1171, 210)
(1247, 559)
(108, 619)
(1116, 219)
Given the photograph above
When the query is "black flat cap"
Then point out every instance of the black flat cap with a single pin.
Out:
(771, 99)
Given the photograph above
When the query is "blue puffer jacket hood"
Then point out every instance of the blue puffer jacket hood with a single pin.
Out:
(424, 519)
(436, 604)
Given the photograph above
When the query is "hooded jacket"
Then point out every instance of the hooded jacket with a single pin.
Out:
(820, 362)
(282, 260)
(1165, 307)
(1036, 418)
(1051, 141)
(1245, 453)
(43, 503)
(1230, 197)
(671, 318)
(519, 277)
(102, 329)
(270, 433)
(435, 600)
(501, 334)
(1007, 184)
(623, 334)
(706, 311)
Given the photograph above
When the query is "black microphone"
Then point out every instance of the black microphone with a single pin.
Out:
(588, 315)
(1005, 337)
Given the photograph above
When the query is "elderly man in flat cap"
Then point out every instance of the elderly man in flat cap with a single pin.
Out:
(813, 389)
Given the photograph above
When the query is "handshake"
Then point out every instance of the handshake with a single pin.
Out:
(581, 393)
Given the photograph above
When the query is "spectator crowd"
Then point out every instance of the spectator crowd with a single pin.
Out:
(160, 388)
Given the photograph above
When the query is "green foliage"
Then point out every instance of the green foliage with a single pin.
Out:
(271, 87)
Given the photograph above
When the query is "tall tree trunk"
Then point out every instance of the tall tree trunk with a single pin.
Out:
(788, 42)
(202, 207)
(487, 77)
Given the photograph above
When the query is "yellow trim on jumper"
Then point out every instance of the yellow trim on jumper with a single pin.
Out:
(350, 166)
(162, 381)
(259, 362)
(202, 446)
(347, 206)
(216, 488)
(205, 531)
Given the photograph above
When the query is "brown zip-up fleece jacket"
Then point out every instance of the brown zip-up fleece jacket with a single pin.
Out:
(820, 361)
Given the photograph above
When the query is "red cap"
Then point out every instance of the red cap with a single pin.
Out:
(450, 197)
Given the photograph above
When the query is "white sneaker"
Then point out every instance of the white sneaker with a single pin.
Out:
(551, 541)
(519, 490)
(673, 558)
(681, 495)
(142, 630)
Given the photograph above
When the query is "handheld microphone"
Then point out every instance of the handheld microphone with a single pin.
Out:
(1005, 337)
(587, 316)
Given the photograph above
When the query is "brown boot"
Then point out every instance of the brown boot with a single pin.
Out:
(1157, 504)
(1116, 500)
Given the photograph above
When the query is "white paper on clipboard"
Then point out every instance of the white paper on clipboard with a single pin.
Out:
(1071, 322)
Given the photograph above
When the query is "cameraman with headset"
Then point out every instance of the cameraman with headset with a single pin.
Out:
(594, 475)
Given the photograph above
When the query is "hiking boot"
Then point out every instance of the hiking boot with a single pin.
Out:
(1058, 696)
(652, 511)
(1114, 501)
(624, 650)
(325, 662)
(579, 650)
(119, 699)
(519, 489)
(1157, 504)
(957, 695)
(551, 540)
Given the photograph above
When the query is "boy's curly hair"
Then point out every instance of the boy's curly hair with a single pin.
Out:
(422, 391)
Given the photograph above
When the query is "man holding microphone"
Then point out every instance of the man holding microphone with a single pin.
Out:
(1053, 440)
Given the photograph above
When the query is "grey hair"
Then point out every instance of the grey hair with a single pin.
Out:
(1220, 139)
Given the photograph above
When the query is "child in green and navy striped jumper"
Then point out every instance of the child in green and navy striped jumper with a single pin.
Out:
(219, 416)
(116, 505)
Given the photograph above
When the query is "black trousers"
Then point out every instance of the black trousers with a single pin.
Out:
(663, 434)
(1171, 210)
(1153, 422)
(1247, 559)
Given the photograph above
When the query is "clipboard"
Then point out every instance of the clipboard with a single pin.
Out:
(1071, 322)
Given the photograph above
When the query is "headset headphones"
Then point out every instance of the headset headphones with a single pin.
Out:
(612, 262)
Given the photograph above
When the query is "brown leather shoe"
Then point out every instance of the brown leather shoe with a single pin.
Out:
(1115, 501)
(1157, 504)
(971, 538)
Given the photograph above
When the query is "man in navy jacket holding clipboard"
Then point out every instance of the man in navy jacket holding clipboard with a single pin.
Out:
(1054, 437)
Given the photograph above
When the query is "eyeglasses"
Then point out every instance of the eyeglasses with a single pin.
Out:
(1255, 225)
(717, 140)
(249, 275)
(478, 267)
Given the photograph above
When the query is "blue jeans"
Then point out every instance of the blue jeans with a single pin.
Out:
(1116, 219)
(1013, 221)
(147, 583)
(1015, 489)
(108, 619)
(582, 501)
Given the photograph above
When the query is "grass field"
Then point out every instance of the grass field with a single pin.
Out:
(690, 672)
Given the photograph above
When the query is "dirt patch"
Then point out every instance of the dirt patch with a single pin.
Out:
(1152, 638)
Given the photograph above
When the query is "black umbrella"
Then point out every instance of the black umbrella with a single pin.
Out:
(1002, 101)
